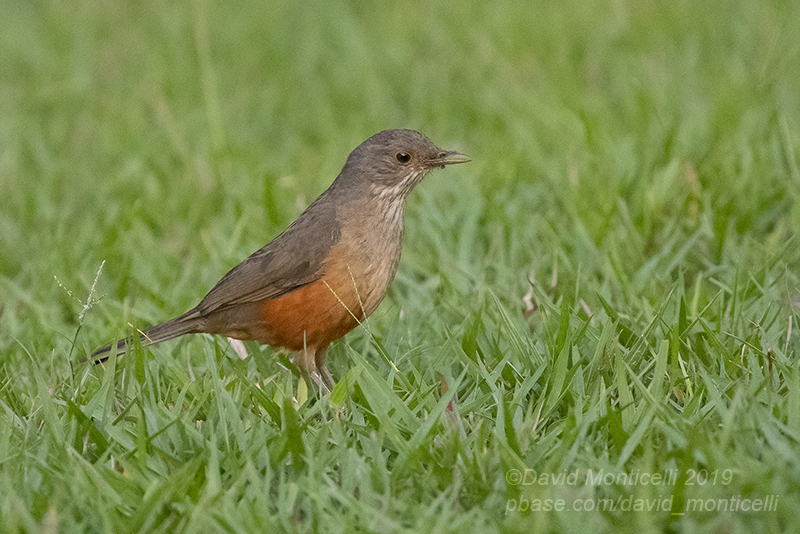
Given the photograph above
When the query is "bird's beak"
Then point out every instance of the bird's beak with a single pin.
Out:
(448, 157)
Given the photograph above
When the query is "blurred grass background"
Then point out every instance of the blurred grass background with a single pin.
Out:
(612, 281)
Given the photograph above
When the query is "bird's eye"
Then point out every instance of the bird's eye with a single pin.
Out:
(403, 157)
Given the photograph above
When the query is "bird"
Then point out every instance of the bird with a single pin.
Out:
(328, 271)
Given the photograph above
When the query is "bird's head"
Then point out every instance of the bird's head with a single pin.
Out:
(392, 162)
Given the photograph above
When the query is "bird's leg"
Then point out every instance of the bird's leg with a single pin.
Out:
(327, 377)
(323, 374)
(312, 361)
(323, 380)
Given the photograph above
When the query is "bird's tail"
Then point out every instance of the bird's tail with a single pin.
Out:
(188, 323)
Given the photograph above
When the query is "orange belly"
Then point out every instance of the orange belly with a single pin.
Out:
(310, 317)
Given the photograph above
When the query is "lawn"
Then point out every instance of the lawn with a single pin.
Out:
(594, 326)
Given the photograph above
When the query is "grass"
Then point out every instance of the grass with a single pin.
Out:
(611, 286)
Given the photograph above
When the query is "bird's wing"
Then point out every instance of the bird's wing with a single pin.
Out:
(293, 259)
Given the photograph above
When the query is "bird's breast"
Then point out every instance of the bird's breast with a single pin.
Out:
(364, 261)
